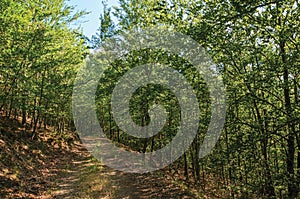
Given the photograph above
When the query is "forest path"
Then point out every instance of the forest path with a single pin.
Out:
(78, 175)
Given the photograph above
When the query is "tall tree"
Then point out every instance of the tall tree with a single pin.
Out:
(39, 59)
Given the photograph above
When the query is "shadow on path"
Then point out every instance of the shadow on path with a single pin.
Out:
(81, 176)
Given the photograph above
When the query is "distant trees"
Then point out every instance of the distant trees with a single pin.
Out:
(39, 57)
(256, 47)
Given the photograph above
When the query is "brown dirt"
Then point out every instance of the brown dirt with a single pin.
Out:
(86, 178)
(48, 167)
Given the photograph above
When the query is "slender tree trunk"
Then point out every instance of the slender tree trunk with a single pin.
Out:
(23, 109)
(186, 172)
(290, 161)
(39, 104)
(269, 187)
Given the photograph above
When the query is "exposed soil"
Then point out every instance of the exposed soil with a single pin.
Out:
(87, 178)
(51, 167)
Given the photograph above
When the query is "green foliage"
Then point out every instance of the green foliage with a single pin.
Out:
(255, 45)
(39, 58)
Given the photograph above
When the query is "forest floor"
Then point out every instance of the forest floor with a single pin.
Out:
(48, 167)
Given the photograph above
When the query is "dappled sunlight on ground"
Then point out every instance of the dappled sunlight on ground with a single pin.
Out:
(44, 168)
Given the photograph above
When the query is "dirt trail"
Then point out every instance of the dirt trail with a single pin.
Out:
(47, 168)
(80, 176)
